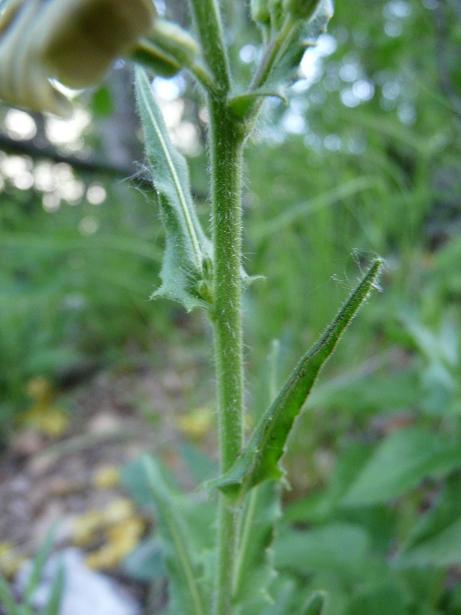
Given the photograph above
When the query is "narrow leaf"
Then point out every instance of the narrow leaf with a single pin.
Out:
(186, 595)
(7, 600)
(53, 606)
(260, 459)
(39, 564)
(186, 245)
(255, 570)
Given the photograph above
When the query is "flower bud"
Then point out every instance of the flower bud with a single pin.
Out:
(73, 41)
(175, 41)
(23, 78)
(260, 12)
(81, 38)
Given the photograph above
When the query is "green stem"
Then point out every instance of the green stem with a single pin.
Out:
(208, 22)
(226, 146)
(273, 52)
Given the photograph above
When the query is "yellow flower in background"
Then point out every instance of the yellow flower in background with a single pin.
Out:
(72, 41)
(10, 560)
(110, 534)
(43, 416)
(106, 477)
(196, 424)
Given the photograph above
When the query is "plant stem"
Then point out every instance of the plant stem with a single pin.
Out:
(226, 149)
(273, 52)
(226, 144)
(208, 22)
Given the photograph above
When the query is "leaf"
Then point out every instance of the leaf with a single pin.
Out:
(319, 21)
(38, 565)
(284, 591)
(186, 593)
(7, 600)
(242, 104)
(384, 598)
(260, 459)
(315, 604)
(303, 35)
(254, 570)
(145, 563)
(425, 544)
(400, 463)
(337, 546)
(441, 550)
(53, 606)
(187, 249)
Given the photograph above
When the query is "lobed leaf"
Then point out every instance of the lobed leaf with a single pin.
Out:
(260, 459)
(187, 248)
(186, 592)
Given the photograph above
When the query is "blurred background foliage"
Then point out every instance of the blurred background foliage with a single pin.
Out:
(364, 160)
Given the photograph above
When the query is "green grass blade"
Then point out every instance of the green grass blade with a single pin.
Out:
(185, 589)
(53, 606)
(292, 214)
(260, 459)
(7, 600)
(38, 564)
(186, 244)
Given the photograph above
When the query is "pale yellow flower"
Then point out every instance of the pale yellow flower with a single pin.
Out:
(72, 41)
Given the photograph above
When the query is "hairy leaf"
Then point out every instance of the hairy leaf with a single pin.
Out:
(260, 459)
(186, 593)
(187, 249)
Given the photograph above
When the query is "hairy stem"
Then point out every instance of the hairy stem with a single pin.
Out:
(226, 147)
(208, 22)
(226, 161)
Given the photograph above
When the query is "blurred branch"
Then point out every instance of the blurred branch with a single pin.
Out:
(92, 164)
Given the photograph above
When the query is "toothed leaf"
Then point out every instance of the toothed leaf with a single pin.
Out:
(260, 459)
(186, 244)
